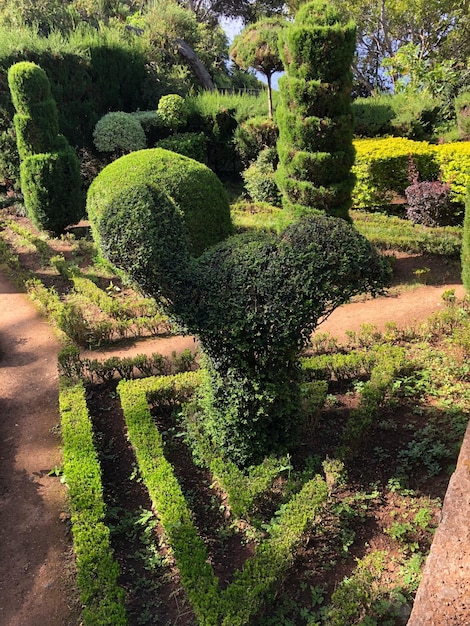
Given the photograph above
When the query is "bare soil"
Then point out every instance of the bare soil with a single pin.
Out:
(36, 566)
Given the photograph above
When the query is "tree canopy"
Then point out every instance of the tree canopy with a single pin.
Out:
(257, 47)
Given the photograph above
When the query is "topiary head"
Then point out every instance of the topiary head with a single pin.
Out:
(29, 85)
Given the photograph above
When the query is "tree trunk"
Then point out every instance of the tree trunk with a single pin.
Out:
(270, 97)
(196, 64)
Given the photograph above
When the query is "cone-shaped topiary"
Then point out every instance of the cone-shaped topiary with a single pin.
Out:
(49, 169)
(315, 117)
(466, 245)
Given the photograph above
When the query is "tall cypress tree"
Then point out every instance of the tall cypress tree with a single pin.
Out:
(315, 117)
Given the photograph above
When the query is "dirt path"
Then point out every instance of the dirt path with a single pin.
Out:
(35, 565)
(36, 572)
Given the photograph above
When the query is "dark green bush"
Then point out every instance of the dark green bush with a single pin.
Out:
(372, 117)
(192, 145)
(315, 118)
(254, 135)
(49, 170)
(50, 183)
(91, 72)
(259, 178)
(141, 181)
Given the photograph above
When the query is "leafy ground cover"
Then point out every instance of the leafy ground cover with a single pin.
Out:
(383, 431)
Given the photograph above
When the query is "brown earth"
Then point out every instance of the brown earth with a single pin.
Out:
(36, 567)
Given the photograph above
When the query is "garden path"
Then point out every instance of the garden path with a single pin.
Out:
(36, 564)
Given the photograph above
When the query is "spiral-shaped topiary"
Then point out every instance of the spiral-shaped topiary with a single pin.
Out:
(315, 118)
(49, 169)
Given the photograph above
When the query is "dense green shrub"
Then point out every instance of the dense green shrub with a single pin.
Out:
(381, 168)
(50, 171)
(462, 112)
(119, 132)
(267, 294)
(254, 135)
(415, 116)
(372, 116)
(315, 118)
(172, 111)
(253, 299)
(91, 72)
(127, 195)
(97, 572)
(192, 145)
(466, 245)
(259, 178)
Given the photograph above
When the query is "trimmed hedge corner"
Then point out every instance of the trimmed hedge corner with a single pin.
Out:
(98, 573)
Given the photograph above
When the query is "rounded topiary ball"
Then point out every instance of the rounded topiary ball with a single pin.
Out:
(119, 132)
(194, 189)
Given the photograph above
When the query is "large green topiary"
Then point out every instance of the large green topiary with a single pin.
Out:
(252, 299)
(49, 168)
(315, 119)
(466, 245)
(259, 296)
(195, 190)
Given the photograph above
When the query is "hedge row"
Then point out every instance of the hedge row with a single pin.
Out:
(382, 168)
(253, 585)
(97, 572)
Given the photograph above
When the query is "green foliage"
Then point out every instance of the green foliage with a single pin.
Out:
(190, 197)
(465, 258)
(192, 145)
(381, 168)
(172, 111)
(91, 72)
(315, 118)
(254, 585)
(289, 282)
(362, 594)
(372, 116)
(259, 178)
(98, 573)
(119, 133)
(462, 111)
(394, 233)
(254, 135)
(49, 169)
(257, 47)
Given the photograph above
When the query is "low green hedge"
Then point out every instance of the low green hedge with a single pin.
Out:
(382, 165)
(97, 572)
(255, 584)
